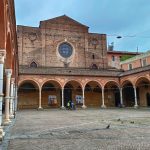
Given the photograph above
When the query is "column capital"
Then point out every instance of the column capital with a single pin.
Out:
(2, 55)
(120, 88)
(8, 72)
(12, 80)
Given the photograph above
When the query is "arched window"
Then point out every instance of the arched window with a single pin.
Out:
(33, 65)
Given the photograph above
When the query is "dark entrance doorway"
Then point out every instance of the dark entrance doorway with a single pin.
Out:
(67, 94)
(117, 98)
(148, 99)
(128, 95)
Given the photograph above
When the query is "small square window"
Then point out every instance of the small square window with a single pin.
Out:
(130, 67)
(113, 58)
(144, 63)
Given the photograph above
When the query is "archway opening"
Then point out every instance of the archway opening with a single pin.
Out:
(143, 88)
(51, 95)
(112, 94)
(128, 94)
(148, 99)
(93, 94)
(73, 92)
(28, 95)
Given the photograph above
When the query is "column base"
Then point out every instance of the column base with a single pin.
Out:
(2, 133)
(84, 107)
(6, 122)
(122, 105)
(40, 108)
(103, 106)
(62, 107)
(136, 106)
(11, 117)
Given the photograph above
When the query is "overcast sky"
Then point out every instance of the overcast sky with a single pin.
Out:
(127, 18)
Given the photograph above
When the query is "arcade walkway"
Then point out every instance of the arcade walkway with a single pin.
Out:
(80, 129)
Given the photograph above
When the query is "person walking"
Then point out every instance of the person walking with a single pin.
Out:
(68, 105)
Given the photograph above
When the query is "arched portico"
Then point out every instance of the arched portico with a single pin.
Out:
(93, 94)
(143, 91)
(72, 91)
(51, 94)
(129, 94)
(112, 94)
(28, 94)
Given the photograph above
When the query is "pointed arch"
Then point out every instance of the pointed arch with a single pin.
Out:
(33, 64)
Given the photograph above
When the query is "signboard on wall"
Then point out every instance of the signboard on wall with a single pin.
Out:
(52, 100)
(79, 99)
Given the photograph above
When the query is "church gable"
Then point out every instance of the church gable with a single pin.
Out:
(63, 21)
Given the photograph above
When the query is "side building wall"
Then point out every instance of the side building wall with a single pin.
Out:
(136, 62)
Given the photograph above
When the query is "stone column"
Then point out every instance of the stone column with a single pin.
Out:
(103, 99)
(16, 98)
(12, 98)
(2, 56)
(7, 96)
(62, 98)
(136, 105)
(83, 96)
(40, 106)
(121, 98)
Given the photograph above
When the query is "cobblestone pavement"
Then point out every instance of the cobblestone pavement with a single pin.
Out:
(80, 130)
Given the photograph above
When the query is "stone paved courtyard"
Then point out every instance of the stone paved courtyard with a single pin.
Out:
(79, 130)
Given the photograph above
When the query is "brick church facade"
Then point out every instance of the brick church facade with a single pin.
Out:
(61, 61)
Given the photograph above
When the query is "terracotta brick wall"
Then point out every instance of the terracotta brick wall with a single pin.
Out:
(136, 63)
(44, 99)
(41, 44)
(115, 63)
(28, 100)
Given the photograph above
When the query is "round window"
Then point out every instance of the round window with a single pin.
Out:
(65, 50)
